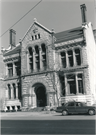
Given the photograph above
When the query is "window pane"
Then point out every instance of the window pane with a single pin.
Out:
(30, 51)
(9, 91)
(37, 50)
(43, 48)
(14, 91)
(80, 86)
(70, 57)
(78, 57)
(63, 59)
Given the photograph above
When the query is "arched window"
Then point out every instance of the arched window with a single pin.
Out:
(63, 59)
(14, 91)
(43, 47)
(37, 58)
(30, 59)
(77, 56)
(9, 91)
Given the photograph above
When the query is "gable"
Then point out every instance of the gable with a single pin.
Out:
(34, 31)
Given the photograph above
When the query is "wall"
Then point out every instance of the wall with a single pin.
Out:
(91, 54)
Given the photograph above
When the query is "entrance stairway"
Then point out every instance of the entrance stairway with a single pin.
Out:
(37, 109)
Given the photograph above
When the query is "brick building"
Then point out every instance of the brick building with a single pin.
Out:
(47, 68)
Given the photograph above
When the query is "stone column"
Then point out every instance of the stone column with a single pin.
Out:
(27, 55)
(16, 91)
(10, 108)
(67, 61)
(65, 78)
(40, 57)
(77, 91)
(11, 86)
(74, 58)
(34, 104)
(6, 69)
(34, 64)
(30, 100)
(48, 100)
(14, 70)
(16, 108)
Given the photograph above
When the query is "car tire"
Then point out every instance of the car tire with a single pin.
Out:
(64, 113)
(91, 112)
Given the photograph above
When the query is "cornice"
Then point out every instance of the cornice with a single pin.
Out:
(69, 43)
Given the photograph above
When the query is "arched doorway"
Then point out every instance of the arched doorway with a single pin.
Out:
(41, 96)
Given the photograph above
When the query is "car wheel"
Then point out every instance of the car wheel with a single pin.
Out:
(91, 112)
(64, 113)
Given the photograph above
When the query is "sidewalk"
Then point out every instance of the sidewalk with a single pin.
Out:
(13, 114)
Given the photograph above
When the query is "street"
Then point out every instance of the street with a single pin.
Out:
(46, 123)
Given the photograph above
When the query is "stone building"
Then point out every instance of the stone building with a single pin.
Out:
(47, 68)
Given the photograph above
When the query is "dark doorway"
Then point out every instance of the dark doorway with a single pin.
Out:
(41, 96)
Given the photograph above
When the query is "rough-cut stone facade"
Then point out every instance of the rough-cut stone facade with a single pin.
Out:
(55, 83)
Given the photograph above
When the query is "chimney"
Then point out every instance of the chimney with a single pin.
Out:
(12, 38)
(83, 13)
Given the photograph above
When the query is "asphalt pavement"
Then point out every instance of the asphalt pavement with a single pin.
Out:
(46, 123)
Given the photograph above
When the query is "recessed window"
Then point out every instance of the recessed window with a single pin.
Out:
(37, 58)
(9, 91)
(63, 59)
(74, 85)
(14, 91)
(71, 84)
(30, 59)
(38, 36)
(43, 47)
(32, 37)
(80, 83)
(78, 57)
(19, 91)
(17, 68)
(70, 58)
(10, 70)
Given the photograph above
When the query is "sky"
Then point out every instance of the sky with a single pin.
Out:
(58, 14)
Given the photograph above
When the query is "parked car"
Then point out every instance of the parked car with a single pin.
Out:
(76, 108)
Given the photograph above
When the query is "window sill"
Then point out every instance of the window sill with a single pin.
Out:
(75, 94)
(9, 78)
(73, 68)
(11, 99)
